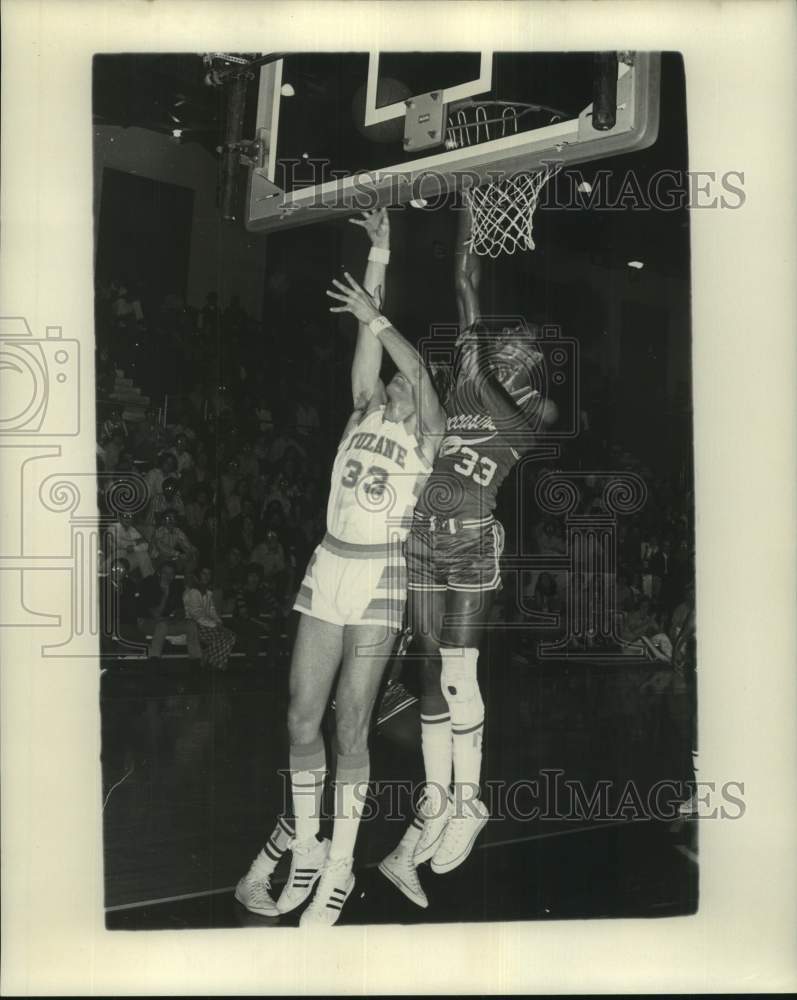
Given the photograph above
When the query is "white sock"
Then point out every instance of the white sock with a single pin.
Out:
(308, 766)
(411, 836)
(461, 691)
(351, 789)
(277, 843)
(437, 756)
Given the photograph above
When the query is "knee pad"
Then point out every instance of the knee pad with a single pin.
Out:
(458, 676)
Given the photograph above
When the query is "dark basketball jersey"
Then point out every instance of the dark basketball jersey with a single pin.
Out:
(470, 466)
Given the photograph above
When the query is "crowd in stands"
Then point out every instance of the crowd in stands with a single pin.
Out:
(233, 467)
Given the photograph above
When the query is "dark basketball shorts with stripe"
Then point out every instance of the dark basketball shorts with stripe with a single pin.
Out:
(466, 560)
(354, 585)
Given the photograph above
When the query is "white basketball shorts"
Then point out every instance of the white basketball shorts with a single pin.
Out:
(348, 585)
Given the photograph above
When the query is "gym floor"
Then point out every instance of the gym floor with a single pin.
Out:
(192, 789)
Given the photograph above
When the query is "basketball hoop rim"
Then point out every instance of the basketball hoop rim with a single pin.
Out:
(526, 106)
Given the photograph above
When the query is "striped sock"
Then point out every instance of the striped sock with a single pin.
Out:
(308, 766)
(461, 687)
(277, 843)
(351, 789)
(437, 755)
(468, 756)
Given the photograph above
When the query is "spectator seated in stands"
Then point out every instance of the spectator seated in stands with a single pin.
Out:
(233, 506)
(255, 609)
(639, 623)
(168, 499)
(276, 493)
(182, 455)
(548, 538)
(113, 424)
(275, 519)
(217, 642)
(245, 537)
(230, 577)
(162, 613)
(270, 556)
(230, 479)
(126, 541)
(165, 469)
(199, 520)
(650, 560)
(170, 544)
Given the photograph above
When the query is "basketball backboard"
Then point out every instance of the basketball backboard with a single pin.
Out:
(340, 132)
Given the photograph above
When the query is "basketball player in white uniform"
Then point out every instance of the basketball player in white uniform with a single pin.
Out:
(352, 605)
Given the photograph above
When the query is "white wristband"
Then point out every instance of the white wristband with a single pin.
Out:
(379, 255)
(378, 324)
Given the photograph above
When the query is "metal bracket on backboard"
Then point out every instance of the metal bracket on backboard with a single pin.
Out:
(424, 124)
(262, 187)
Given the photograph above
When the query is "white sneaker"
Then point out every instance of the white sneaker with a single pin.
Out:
(334, 888)
(435, 818)
(400, 868)
(307, 860)
(254, 889)
(465, 823)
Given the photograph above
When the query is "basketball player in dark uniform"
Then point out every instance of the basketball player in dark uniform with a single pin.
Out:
(493, 405)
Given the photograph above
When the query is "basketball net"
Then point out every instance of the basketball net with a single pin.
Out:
(501, 209)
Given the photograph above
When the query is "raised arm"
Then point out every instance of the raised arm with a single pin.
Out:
(467, 274)
(365, 383)
(359, 303)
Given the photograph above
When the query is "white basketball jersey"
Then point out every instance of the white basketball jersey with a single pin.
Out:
(376, 480)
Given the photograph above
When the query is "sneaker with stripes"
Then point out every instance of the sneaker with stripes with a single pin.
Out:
(307, 861)
(395, 699)
(334, 888)
(254, 889)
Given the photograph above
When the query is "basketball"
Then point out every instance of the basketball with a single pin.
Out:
(388, 91)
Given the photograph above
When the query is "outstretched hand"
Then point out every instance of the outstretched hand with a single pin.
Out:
(355, 300)
(377, 225)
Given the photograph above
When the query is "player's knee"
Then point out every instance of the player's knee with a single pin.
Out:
(430, 674)
(458, 678)
(302, 725)
(426, 646)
